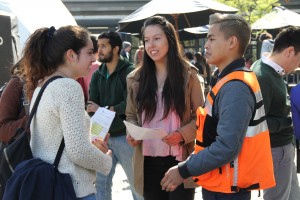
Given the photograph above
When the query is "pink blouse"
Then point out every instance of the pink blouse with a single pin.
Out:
(171, 123)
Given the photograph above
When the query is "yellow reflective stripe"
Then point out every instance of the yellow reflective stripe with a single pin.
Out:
(254, 130)
(260, 112)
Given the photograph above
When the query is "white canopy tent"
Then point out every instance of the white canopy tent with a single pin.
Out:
(27, 16)
(33, 14)
(279, 17)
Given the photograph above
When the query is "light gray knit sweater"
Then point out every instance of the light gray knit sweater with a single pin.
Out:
(61, 114)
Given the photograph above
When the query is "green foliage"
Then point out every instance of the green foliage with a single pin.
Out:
(252, 10)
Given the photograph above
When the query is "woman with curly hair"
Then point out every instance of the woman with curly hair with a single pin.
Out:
(66, 52)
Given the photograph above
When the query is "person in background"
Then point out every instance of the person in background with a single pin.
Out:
(199, 61)
(14, 107)
(248, 61)
(163, 93)
(203, 66)
(232, 150)
(108, 89)
(204, 69)
(138, 57)
(269, 70)
(295, 106)
(66, 52)
(267, 43)
(85, 81)
(126, 47)
(190, 58)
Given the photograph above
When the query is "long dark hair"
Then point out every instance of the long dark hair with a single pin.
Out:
(173, 91)
(45, 51)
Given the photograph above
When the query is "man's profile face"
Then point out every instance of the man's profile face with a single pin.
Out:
(216, 46)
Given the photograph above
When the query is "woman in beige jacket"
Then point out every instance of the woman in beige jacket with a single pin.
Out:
(163, 93)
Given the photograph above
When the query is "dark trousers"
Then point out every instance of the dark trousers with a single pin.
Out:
(154, 170)
(209, 195)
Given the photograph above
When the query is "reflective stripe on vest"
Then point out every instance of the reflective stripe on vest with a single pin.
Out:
(253, 167)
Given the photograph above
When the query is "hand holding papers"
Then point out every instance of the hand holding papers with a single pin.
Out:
(100, 122)
(139, 133)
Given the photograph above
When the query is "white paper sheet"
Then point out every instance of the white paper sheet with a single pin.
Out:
(139, 133)
(100, 123)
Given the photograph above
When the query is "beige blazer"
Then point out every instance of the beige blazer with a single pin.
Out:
(194, 98)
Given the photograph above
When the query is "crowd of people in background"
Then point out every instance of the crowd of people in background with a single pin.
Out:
(237, 139)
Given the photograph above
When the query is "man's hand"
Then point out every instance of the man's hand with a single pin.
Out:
(171, 180)
(91, 106)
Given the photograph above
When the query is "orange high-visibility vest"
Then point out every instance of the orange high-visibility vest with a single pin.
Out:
(253, 167)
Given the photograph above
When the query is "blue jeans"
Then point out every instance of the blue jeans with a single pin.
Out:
(88, 197)
(122, 152)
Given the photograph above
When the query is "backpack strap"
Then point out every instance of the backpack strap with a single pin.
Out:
(33, 111)
(59, 153)
(34, 108)
(37, 101)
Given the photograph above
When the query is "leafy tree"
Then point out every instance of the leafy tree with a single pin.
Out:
(252, 10)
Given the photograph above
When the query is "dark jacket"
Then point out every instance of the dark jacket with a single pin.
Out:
(111, 91)
(12, 112)
(277, 104)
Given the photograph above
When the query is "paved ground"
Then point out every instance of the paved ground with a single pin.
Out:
(121, 188)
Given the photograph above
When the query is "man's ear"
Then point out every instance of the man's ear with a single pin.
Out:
(116, 50)
(233, 42)
(290, 51)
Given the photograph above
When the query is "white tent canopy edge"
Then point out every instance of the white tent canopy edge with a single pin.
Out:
(34, 14)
